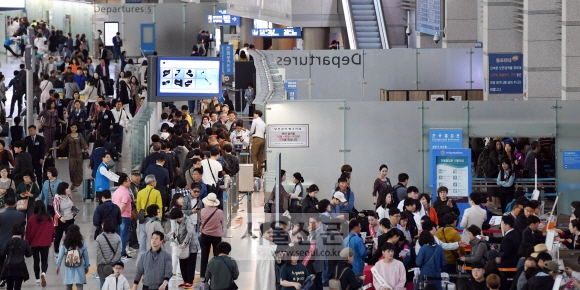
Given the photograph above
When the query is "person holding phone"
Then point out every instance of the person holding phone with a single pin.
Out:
(192, 203)
(444, 205)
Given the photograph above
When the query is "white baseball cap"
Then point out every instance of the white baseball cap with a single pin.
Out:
(340, 196)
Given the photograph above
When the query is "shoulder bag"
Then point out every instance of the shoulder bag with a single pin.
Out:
(141, 213)
(216, 187)
(106, 269)
(182, 253)
(21, 204)
(233, 285)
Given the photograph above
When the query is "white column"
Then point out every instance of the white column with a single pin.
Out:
(570, 49)
(460, 24)
(542, 51)
(499, 36)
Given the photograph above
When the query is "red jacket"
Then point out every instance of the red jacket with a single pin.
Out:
(39, 234)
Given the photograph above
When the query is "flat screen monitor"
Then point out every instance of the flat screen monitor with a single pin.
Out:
(111, 29)
(188, 76)
(16, 4)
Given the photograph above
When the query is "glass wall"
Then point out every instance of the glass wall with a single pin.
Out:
(363, 73)
(366, 135)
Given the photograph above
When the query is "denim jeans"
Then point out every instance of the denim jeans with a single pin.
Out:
(125, 225)
(143, 236)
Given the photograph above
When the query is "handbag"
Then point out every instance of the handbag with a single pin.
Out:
(182, 254)
(86, 155)
(21, 204)
(104, 270)
(212, 188)
(141, 213)
(233, 285)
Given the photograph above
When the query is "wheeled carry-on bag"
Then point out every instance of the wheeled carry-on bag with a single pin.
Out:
(88, 189)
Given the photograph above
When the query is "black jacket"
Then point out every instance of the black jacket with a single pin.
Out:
(411, 225)
(530, 237)
(441, 208)
(106, 210)
(510, 245)
(542, 281)
(309, 203)
(479, 285)
(161, 176)
(23, 162)
(347, 278)
(35, 149)
(521, 223)
(25, 250)
(8, 219)
(105, 120)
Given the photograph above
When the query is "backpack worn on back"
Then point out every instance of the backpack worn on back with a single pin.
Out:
(18, 87)
(73, 257)
(334, 283)
(15, 256)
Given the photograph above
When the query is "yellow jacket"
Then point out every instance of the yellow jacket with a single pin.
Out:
(189, 120)
(154, 198)
(449, 234)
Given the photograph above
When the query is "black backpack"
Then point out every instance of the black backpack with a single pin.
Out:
(15, 255)
(18, 87)
(484, 162)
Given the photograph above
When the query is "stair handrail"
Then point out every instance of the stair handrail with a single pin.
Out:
(381, 23)
(349, 24)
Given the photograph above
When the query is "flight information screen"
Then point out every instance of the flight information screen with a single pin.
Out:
(188, 77)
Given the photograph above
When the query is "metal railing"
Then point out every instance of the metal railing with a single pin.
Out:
(349, 24)
(381, 24)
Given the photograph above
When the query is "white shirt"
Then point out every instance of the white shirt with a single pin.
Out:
(122, 115)
(245, 134)
(258, 128)
(207, 177)
(164, 122)
(108, 174)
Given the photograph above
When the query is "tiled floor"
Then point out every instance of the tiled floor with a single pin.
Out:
(243, 248)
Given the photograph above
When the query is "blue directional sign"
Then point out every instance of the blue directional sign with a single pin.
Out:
(292, 89)
(443, 139)
(277, 32)
(428, 14)
(506, 74)
(571, 159)
(225, 19)
(222, 11)
(227, 55)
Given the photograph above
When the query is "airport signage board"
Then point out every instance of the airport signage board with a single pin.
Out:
(506, 73)
(288, 136)
(224, 19)
(295, 32)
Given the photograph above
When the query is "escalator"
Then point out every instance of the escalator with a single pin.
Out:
(365, 24)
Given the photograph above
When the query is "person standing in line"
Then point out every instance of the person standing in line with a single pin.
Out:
(73, 244)
(122, 198)
(258, 131)
(8, 219)
(186, 239)
(14, 270)
(39, 234)
(5, 183)
(391, 270)
(77, 145)
(35, 146)
(223, 270)
(154, 266)
(154, 224)
(211, 229)
(23, 162)
(64, 214)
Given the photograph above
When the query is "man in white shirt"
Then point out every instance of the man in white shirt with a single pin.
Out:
(121, 121)
(164, 120)
(240, 135)
(258, 131)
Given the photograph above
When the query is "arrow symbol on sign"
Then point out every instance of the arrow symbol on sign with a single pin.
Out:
(254, 32)
(234, 18)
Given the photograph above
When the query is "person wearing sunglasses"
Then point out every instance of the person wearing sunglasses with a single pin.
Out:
(192, 203)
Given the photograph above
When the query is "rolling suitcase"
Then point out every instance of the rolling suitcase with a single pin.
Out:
(61, 153)
(88, 189)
